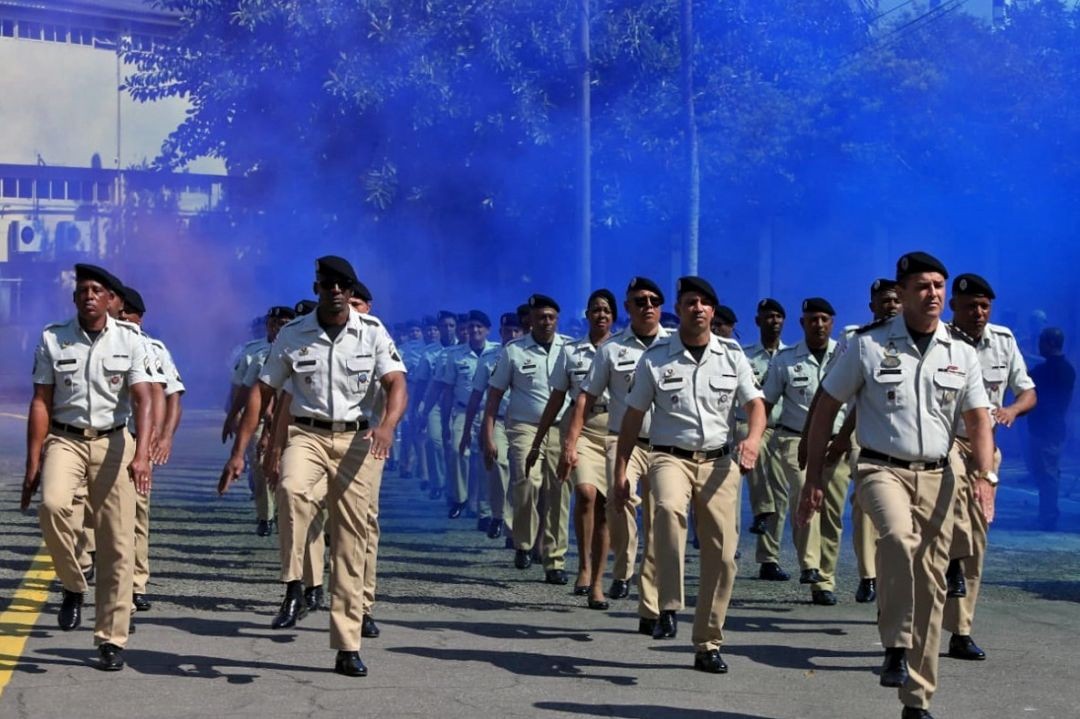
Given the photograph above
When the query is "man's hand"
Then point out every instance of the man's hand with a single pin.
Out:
(233, 469)
(447, 436)
(801, 452)
(810, 502)
(621, 491)
(139, 471)
(228, 429)
(1005, 416)
(985, 494)
(30, 487)
(382, 439)
(568, 461)
(161, 451)
(530, 460)
(489, 451)
(837, 450)
(271, 467)
(465, 443)
(748, 453)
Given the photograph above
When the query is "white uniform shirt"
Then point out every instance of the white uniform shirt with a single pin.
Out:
(459, 368)
(332, 380)
(759, 359)
(792, 381)
(692, 402)
(248, 353)
(907, 404)
(525, 368)
(612, 372)
(1002, 366)
(427, 367)
(570, 371)
(483, 376)
(173, 383)
(91, 379)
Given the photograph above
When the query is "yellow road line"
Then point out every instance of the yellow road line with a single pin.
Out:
(12, 415)
(19, 619)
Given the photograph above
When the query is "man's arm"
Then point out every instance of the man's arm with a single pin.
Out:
(142, 405)
(817, 441)
(551, 411)
(491, 411)
(163, 449)
(581, 408)
(471, 409)
(397, 399)
(981, 436)
(1025, 402)
(750, 447)
(446, 406)
(237, 400)
(257, 398)
(628, 436)
(37, 428)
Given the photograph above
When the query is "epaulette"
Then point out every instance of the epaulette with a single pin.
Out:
(959, 334)
(130, 326)
(370, 320)
(866, 328)
(156, 342)
(1000, 330)
(731, 343)
(517, 340)
(293, 321)
(261, 339)
(782, 350)
(658, 342)
(51, 325)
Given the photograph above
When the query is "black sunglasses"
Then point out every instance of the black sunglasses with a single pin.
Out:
(648, 301)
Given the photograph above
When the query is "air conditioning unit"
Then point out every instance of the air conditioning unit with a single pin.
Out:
(71, 238)
(25, 237)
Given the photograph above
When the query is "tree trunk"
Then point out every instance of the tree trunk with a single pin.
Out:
(692, 167)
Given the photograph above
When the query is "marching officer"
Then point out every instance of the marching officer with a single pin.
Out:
(332, 359)
(1002, 367)
(912, 379)
(691, 380)
(90, 374)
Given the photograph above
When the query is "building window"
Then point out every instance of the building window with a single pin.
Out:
(26, 188)
(29, 30)
(105, 39)
(54, 33)
(7, 28)
(57, 190)
(9, 187)
(82, 36)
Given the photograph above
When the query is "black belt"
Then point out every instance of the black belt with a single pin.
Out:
(358, 426)
(925, 466)
(643, 441)
(707, 455)
(84, 432)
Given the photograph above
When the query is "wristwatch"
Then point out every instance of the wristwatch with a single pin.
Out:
(990, 477)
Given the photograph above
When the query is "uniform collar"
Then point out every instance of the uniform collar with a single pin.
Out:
(628, 335)
(803, 350)
(309, 323)
(78, 331)
(756, 347)
(898, 329)
(676, 346)
(530, 341)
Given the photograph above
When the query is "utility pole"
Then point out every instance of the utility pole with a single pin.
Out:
(692, 219)
(585, 153)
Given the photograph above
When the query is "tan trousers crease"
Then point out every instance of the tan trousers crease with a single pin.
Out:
(526, 491)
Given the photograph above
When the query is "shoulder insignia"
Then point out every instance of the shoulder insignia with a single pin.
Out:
(866, 328)
(369, 321)
(1000, 330)
(517, 340)
(959, 334)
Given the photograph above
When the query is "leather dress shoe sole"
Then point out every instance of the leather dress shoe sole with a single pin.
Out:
(110, 658)
(555, 576)
(349, 664)
(963, 647)
(710, 662)
(773, 572)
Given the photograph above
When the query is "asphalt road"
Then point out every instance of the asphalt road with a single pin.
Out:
(464, 634)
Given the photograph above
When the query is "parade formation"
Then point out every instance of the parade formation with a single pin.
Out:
(634, 437)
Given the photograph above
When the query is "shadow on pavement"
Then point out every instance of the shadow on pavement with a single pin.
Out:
(788, 657)
(495, 630)
(475, 603)
(230, 628)
(1057, 590)
(641, 711)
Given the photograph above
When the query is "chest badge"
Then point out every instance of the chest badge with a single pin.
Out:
(668, 372)
(890, 362)
(890, 349)
(622, 353)
(798, 367)
(303, 351)
(65, 345)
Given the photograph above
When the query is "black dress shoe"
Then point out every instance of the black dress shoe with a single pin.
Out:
(522, 559)
(263, 528)
(495, 529)
(142, 604)
(667, 626)
(483, 524)
(455, 510)
(761, 523)
(822, 597)
(954, 580)
(537, 555)
(772, 572)
(509, 544)
(810, 576)
(646, 626)
(313, 598)
(894, 671)
(600, 604)
(867, 591)
(913, 713)
(710, 661)
(349, 664)
(964, 647)
(580, 590)
(292, 608)
(70, 614)
(368, 628)
(620, 589)
(110, 658)
(555, 576)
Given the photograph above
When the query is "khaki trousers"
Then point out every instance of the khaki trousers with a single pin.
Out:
(913, 514)
(470, 466)
(82, 516)
(264, 496)
(351, 472)
(768, 494)
(863, 535)
(498, 478)
(141, 574)
(526, 492)
(969, 537)
(99, 467)
(623, 527)
(436, 451)
(713, 487)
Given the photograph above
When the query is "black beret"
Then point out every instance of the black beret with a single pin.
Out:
(99, 274)
(726, 315)
(770, 305)
(428, 321)
(361, 292)
(669, 320)
(509, 319)
(881, 284)
(644, 283)
(445, 314)
(279, 312)
(915, 262)
(305, 307)
(523, 310)
(969, 284)
(609, 297)
(818, 304)
(539, 301)
(690, 283)
(478, 316)
(132, 299)
(462, 318)
(335, 266)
